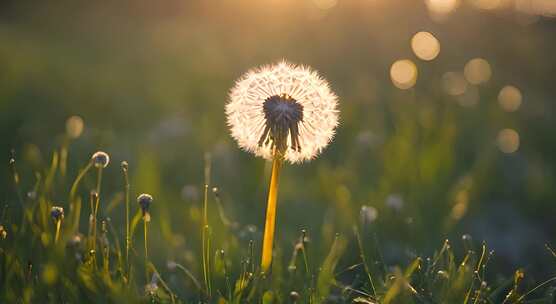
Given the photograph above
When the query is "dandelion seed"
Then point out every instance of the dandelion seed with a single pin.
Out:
(100, 159)
(285, 108)
(145, 201)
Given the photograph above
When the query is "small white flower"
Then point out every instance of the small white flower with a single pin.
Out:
(282, 108)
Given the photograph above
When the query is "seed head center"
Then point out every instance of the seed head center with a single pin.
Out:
(282, 115)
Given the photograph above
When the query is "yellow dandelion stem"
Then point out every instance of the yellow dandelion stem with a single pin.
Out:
(268, 238)
(57, 236)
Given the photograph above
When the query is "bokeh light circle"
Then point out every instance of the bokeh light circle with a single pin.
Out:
(477, 71)
(325, 4)
(441, 6)
(486, 4)
(508, 140)
(403, 74)
(470, 98)
(425, 46)
(454, 83)
(510, 98)
(74, 126)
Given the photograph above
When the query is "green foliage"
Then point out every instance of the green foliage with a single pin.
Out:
(91, 266)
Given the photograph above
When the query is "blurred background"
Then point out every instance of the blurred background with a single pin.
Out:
(446, 131)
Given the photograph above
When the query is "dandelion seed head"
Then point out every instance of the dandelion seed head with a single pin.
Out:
(57, 213)
(100, 159)
(285, 108)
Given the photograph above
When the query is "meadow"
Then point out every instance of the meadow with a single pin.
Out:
(136, 172)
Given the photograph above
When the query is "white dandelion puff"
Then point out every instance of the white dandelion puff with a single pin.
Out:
(285, 109)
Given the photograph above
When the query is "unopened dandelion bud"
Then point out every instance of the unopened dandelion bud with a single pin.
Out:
(94, 195)
(144, 200)
(57, 213)
(294, 296)
(100, 159)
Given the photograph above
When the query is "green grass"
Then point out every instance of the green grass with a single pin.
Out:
(93, 261)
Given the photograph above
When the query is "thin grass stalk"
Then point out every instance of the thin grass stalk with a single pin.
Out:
(270, 222)
(163, 283)
(49, 179)
(105, 249)
(146, 251)
(226, 276)
(95, 212)
(364, 261)
(205, 230)
(205, 235)
(78, 179)
(64, 158)
(127, 233)
(190, 276)
(75, 206)
(15, 177)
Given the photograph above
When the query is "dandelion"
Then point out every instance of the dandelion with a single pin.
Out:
(282, 109)
(100, 159)
(144, 200)
(281, 112)
(294, 296)
(57, 214)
